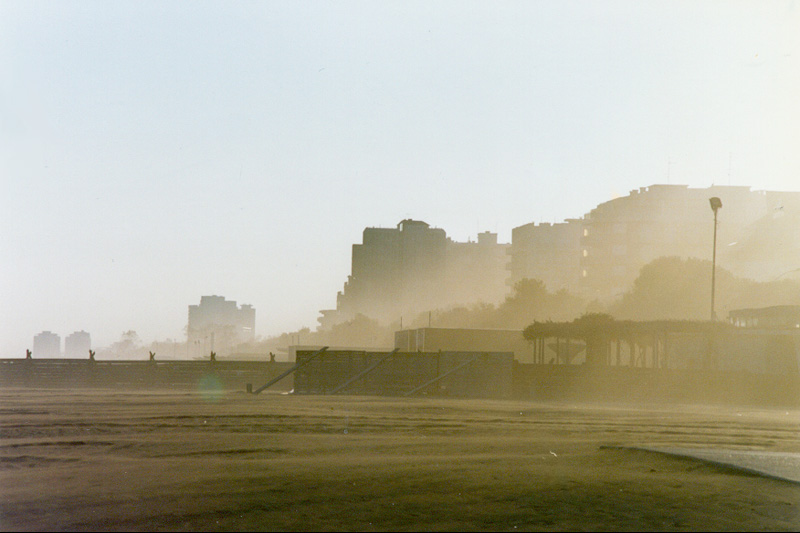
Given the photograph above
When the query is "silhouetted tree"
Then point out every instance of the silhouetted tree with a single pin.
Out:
(673, 288)
(360, 331)
(531, 301)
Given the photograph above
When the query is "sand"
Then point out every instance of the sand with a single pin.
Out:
(172, 461)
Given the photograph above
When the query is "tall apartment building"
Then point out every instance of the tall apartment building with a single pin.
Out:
(404, 271)
(476, 271)
(47, 345)
(601, 254)
(548, 252)
(622, 235)
(77, 344)
(219, 325)
(414, 268)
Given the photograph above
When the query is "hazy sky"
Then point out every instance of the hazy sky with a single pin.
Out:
(154, 152)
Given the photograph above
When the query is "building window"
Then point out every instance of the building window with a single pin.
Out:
(585, 253)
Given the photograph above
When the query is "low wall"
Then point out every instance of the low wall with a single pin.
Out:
(454, 374)
(488, 376)
(84, 373)
(632, 384)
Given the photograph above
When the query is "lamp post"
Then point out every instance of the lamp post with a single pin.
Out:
(716, 203)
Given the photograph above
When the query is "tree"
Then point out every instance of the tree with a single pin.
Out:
(672, 288)
(360, 331)
(127, 346)
(531, 301)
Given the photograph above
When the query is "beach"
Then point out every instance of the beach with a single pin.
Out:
(220, 460)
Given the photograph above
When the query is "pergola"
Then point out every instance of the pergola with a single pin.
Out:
(600, 331)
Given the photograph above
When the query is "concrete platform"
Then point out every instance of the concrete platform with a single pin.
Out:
(776, 465)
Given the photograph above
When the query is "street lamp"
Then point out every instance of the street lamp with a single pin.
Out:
(716, 204)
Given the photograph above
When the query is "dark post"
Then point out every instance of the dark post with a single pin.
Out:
(716, 203)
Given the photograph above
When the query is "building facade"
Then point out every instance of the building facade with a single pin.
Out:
(600, 255)
(414, 268)
(622, 235)
(219, 325)
(77, 344)
(548, 252)
(47, 345)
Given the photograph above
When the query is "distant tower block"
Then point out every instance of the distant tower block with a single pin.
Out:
(219, 325)
(47, 345)
(77, 344)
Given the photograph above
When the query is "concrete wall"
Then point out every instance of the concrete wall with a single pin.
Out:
(463, 374)
(466, 340)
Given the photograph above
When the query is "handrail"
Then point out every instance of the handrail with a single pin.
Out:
(295, 367)
(363, 372)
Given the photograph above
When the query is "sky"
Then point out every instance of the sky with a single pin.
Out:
(153, 152)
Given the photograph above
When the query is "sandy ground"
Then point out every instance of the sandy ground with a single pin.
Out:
(100, 460)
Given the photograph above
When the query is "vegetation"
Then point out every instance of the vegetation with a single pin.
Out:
(673, 288)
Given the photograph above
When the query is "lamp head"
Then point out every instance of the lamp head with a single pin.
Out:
(715, 202)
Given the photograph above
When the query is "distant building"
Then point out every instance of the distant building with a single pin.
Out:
(219, 325)
(476, 271)
(622, 235)
(601, 254)
(77, 344)
(414, 268)
(548, 252)
(47, 345)
(775, 317)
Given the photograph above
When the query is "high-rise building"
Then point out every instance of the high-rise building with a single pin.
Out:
(622, 235)
(601, 254)
(47, 345)
(219, 325)
(77, 344)
(548, 252)
(476, 271)
(414, 268)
